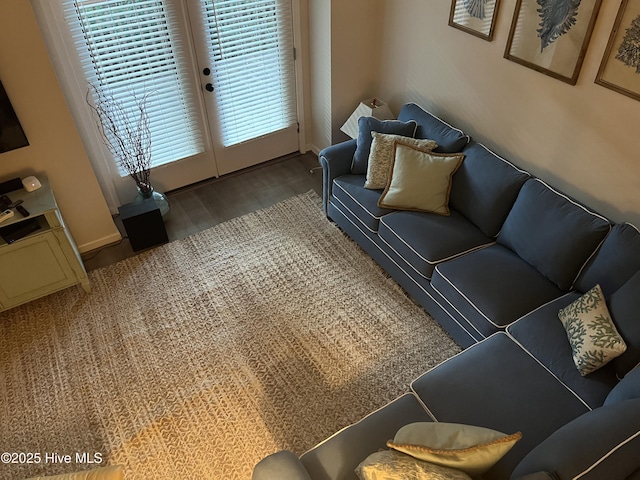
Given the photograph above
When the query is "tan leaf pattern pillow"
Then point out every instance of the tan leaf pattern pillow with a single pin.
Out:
(382, 154)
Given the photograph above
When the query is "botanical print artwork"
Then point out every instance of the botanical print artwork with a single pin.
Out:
(629, 49)
(556, 18)
(476, 8)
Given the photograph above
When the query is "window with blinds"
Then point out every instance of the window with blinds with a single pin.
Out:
(127, 48)
(253, 66)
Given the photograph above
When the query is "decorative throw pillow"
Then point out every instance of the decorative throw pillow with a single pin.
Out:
(420, 180)
(113, 472)
(591, 332)
(474, 450)
(366, 125)
(381, 156)
(392, 465)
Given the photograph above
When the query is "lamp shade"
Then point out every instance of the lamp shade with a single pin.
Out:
(367, 108)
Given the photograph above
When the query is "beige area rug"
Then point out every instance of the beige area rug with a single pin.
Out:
(196, 359)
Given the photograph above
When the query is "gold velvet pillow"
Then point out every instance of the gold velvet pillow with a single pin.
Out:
(113, 472)
(392, 465)
(473, 450)
(420, 180)
(381, 156)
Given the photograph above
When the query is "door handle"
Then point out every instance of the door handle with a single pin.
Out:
(209, 87)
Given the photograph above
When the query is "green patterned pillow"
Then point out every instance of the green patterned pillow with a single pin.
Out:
(592, 334)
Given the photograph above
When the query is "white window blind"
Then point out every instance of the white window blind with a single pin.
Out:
(127, 48)
(253, 67)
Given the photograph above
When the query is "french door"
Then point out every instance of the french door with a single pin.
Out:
(245, 53)
(220, 73)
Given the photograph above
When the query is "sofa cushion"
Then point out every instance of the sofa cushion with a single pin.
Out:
(485, 187)
(485, 386)
(469, 448)
(420, 180)
(392, 465)
(448, 138)
(593, 336)
(382, 155)
(366, 125)
(362, 203)
(601, 444)
(615, 262)
(624, 306)
(626, 389)
(541, 333)
(552, 232)
(336, 457)
(424, 240)
(492, 287)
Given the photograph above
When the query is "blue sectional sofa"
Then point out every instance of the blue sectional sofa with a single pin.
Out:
(495, 273)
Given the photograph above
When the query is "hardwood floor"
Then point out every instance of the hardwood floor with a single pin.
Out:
(208, 203)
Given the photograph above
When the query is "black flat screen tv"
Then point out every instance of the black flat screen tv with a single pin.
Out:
(11, 134)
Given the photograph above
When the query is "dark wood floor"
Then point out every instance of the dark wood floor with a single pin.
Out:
(208, 203)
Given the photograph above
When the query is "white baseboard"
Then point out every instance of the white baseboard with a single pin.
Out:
(314, 149)
(101, 242)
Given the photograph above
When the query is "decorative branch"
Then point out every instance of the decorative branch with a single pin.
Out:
(126, 133)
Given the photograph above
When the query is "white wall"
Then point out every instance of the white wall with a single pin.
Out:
(344, 41)
(581, 139)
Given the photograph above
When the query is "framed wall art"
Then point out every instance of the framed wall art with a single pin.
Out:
(620, 67)
(477, 17)
(551, 36)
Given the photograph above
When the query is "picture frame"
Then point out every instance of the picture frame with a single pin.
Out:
(545, 38)
(477, 17)
(620, 66)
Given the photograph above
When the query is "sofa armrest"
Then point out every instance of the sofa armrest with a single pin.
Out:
(335, 160)
(283, 465)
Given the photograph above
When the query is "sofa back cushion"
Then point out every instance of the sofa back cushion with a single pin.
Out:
(599, 444)
(551, 232)
(448, 138)
(485, 187)
(615, 262)
(628, 388)
(624, 305)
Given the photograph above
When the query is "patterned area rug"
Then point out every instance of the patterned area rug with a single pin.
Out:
(196, 359)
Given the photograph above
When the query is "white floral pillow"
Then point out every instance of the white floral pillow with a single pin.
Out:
(382, 154)
(591, 332)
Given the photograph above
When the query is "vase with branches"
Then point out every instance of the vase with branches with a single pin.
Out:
(126, 133)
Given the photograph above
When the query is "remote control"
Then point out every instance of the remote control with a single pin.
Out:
(23, 211)
(6, 215)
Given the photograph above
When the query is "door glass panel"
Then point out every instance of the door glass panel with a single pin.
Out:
(250, 44)
(131, 48)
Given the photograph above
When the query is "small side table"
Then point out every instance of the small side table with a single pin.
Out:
(144, 224)
(43, 261)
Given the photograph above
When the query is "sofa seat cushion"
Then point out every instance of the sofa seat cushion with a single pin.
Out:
(423, 240)
(337, 457)
(361, 202)
(599, 445)
(553, 233)
(485, 187)
(492, 287)
(541, 333)
(485, 386)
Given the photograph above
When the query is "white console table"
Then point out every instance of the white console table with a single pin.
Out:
(44, 261)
